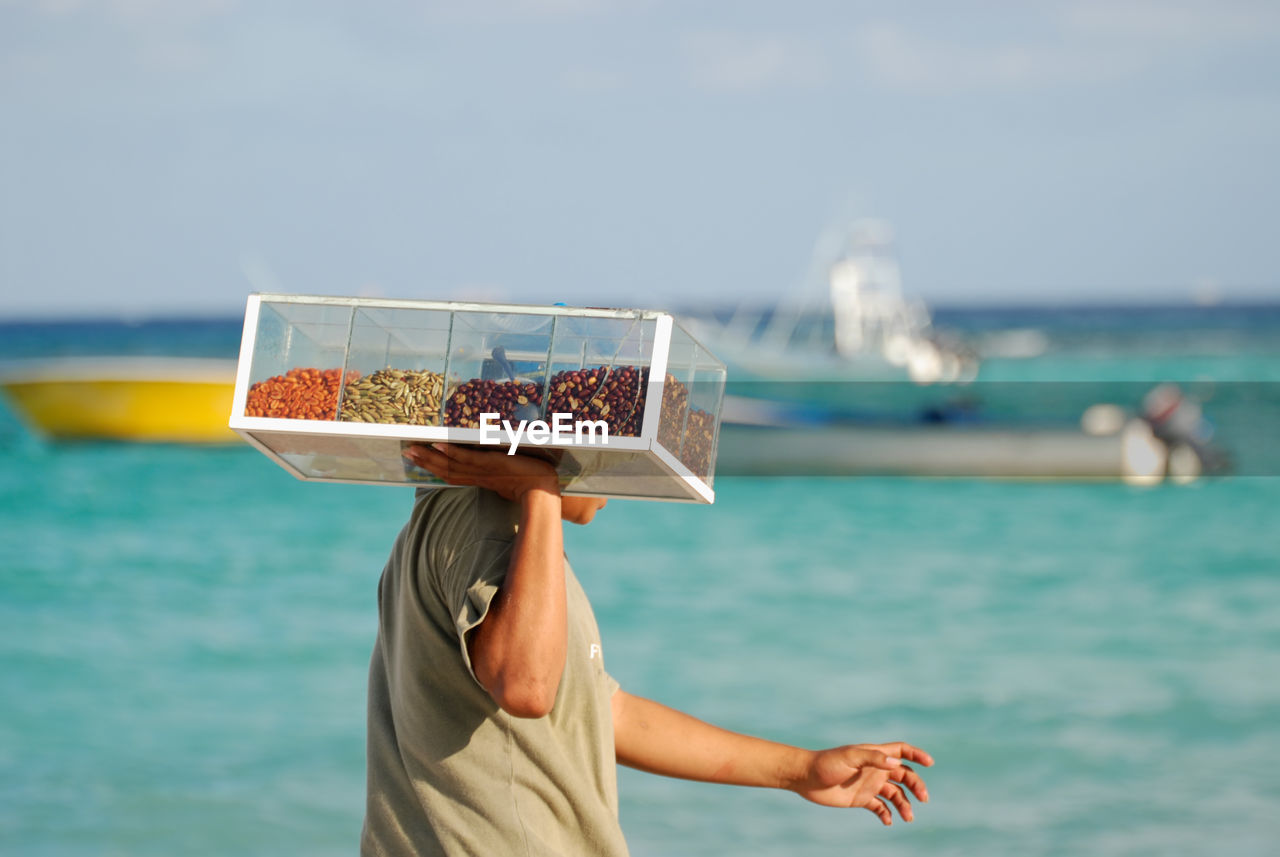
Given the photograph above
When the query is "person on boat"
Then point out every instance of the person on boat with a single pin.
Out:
(493, 727)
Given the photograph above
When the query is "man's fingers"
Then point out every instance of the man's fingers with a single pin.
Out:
(898, 798)
(912, 781)
(883, 760)
(441, 465)
(881, 809)
(425, 456)
(914, 754)
(857, 757)
(456, 453)
(902, 750)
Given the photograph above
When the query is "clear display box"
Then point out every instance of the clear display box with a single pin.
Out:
(624, 402)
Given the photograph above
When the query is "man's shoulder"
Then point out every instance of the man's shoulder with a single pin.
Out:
(462, 515)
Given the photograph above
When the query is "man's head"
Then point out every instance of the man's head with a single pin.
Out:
(580, 510)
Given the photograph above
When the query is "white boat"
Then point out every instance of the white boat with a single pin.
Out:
(849, 322)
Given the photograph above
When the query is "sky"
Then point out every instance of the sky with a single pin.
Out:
(161, 158)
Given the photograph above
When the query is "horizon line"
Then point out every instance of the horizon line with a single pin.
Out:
(123, 316)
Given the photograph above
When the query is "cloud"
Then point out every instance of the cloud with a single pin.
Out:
(591, 79)
(1069, 44)
(1220, 23)
(133, 10)
(735, 61)
(521, 11)
(560, 7)
(905, 60)
(154, 35)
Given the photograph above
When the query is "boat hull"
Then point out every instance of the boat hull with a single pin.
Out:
(1132, 455)
(125, 406)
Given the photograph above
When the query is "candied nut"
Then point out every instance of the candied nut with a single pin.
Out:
(301, 393)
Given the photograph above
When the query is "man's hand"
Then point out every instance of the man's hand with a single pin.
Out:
(872, 776)
(510, 476)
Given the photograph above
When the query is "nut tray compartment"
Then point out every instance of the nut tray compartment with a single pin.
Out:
(333, 389)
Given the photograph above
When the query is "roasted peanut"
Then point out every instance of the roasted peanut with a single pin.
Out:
(301, 394)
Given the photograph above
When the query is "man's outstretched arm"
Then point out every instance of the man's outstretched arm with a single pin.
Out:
(651, 737)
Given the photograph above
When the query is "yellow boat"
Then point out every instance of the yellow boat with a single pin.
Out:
(137, 399)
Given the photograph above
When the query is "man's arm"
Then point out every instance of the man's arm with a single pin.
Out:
(654, 738)
(518, 651)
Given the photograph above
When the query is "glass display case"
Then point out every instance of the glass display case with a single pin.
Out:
(624, 402)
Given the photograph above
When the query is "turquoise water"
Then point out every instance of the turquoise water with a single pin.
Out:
(184, 636)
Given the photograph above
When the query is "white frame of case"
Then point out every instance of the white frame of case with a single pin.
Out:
(697, 490)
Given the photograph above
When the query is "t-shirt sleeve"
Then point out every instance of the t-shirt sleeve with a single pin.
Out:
(469, 584)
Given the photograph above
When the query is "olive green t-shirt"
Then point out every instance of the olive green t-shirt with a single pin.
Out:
(450, 773)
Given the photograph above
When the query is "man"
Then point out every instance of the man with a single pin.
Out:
(493, 726)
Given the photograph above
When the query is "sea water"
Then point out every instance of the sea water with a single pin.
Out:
(185, 633)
